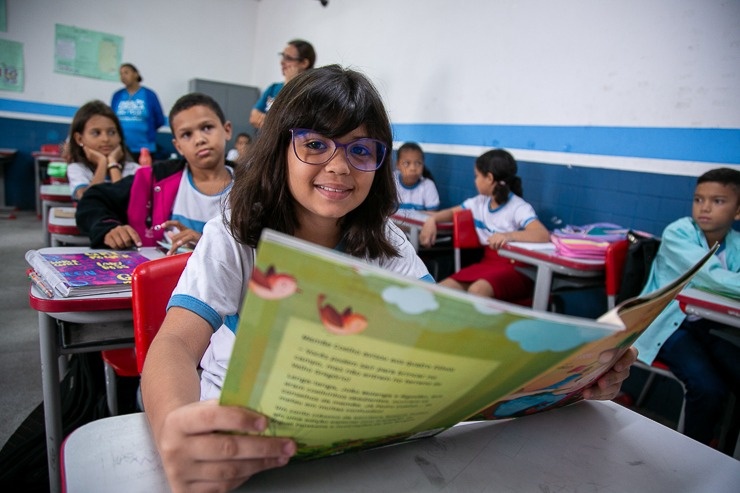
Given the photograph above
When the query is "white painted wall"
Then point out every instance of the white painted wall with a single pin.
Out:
(169, 41)
(664, 63)
(672, 63)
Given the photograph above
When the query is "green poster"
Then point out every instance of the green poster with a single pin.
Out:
(11, 66)
(87, 53)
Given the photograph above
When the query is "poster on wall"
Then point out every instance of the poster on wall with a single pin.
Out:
(11, 66)
(87, 53)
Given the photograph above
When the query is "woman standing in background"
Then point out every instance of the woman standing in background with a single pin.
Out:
(297, 56)
(139, 111)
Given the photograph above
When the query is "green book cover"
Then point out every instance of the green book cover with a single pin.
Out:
(343, 355)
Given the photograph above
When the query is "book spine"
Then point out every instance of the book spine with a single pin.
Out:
(48, 273)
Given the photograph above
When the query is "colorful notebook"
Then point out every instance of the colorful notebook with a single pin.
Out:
(88, 273)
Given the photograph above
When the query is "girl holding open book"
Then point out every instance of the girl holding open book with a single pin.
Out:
(320, 171)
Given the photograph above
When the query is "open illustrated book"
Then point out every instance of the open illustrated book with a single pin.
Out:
(341, 355)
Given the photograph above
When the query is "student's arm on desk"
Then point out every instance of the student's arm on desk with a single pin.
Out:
(189, 433)
(534, 232)
(102, 208)
(428, 234)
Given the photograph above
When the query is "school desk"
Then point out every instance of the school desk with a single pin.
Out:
(75, 325)
(6, 157)
(570, 271)
(62, 228)
(712, 306)
(411, 222)
(53, 195)
(590, 446)
(41, 160)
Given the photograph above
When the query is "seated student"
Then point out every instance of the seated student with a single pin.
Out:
(178, 194)
(416, 189)
(501, 216)
(709, 366)
(319, 171)
(239, 153)
(95, 149)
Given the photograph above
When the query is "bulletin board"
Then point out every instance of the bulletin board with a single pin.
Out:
(87, 53)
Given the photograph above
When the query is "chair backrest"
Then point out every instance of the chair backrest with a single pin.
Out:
(463, 230)
(151, 287)
(616, 255)
(463, 233)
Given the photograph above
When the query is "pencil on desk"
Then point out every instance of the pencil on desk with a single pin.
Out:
(36, 279)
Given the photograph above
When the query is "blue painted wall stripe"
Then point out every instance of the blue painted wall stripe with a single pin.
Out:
(680, 144)
(712, 145)
(30, 107)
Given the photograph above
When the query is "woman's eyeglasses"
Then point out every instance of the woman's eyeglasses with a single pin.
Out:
(313, 148)
(289, 58)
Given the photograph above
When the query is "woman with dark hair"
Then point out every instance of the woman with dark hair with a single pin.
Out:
(139, 111)
(501, 216)
(297, 57)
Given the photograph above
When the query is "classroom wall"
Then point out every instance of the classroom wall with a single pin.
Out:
(169, 42)
(612, 108)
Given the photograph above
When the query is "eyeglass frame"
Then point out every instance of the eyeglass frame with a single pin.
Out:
(289, 58)
(337, 145)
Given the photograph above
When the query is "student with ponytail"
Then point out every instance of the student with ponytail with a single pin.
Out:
(501, 216)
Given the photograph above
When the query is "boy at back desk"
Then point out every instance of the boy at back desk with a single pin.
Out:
(708, 365)
(178, 194)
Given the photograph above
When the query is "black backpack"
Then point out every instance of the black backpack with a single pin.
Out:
(640, 256)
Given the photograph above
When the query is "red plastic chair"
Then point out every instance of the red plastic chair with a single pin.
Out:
(151, 286)
(616, 256)
(463, 234)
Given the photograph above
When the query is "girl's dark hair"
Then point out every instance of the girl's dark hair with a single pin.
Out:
(503, 167)
(305, 51)
(84, 113)
(131, 66)
(333, 101)
(413, 146)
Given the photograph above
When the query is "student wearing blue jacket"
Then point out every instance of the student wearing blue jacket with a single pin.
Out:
(709, 366)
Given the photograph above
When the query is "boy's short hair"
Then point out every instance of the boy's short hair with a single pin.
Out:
(245, 135)
(725, 176)
(195, 99)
